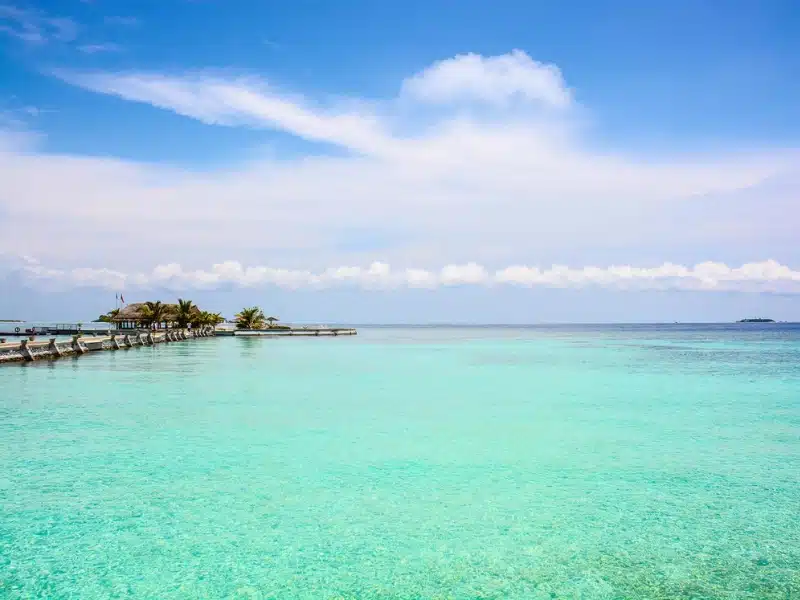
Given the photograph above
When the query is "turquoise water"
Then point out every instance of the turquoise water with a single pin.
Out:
(552, 462)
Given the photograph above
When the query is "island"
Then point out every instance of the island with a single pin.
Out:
(756, 321)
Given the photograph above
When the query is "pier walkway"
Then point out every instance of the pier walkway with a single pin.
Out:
(31, 349)
(22, 330)
(293, 332)
(27, 350)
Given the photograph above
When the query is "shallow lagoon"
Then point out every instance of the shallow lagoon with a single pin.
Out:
(552, 462)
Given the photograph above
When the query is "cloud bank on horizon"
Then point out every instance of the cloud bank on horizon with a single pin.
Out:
(767, 276)
(478, 160)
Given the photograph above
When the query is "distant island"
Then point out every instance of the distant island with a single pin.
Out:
(756, 321)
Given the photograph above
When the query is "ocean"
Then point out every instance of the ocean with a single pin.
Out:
(580, 462)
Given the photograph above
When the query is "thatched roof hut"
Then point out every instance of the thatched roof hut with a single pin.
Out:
(132, 312)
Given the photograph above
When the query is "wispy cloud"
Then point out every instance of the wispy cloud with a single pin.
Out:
(20, 24)
(766, 276)
(97, 48)
(124, 21)
(34, 26)
(17, 118)
(239, 101)
(25, 34)
(64, 29)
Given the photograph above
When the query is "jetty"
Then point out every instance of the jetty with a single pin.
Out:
(59, 329)
(29, 350)
(146, 324)
(288, 332)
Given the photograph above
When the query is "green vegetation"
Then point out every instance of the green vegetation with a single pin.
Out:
(156, 314)
(153, 313)
(185, 313)
(206, 319)
(108, 317)
(250, 318)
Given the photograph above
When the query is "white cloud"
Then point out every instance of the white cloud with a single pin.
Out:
(709, 275)
(494, 79)
(504, 190)
(244, 101)
(240, 101)
(471, 273)
(766, 276)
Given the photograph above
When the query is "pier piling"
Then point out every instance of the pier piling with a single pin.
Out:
(25, 351)
(77, 345)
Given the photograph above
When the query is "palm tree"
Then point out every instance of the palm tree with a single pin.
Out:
(186, 310)
(204, 318)
(153, 313)
(108, 317)
(250, 318)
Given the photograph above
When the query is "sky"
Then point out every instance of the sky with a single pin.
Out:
(439, 161)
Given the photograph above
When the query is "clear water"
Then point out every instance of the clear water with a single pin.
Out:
(553, 462)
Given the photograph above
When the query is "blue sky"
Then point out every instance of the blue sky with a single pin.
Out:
(402, 162)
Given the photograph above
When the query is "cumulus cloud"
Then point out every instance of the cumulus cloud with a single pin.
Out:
(766, 276)
(493, 79)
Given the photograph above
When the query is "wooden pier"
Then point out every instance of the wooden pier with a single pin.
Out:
(30, 350)
(293, 332)
(20, 330)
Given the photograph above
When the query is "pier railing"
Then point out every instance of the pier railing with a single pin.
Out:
(22, 330)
